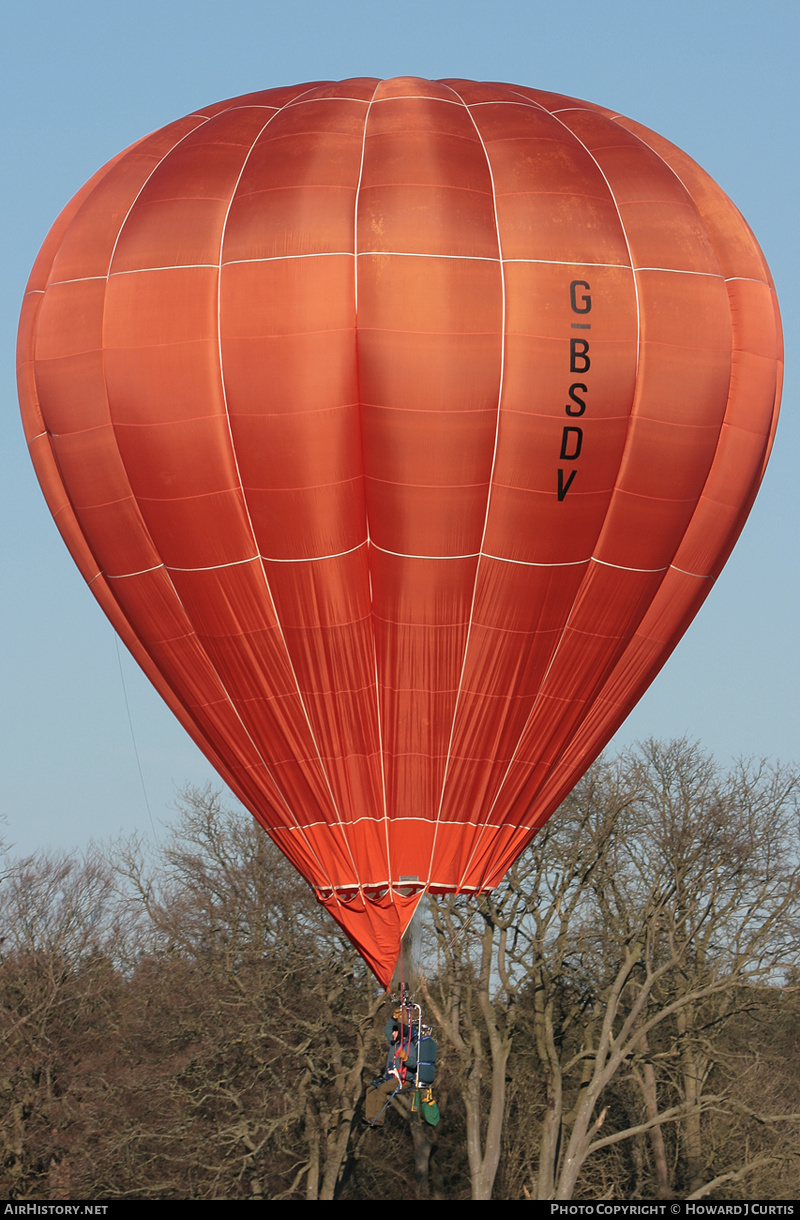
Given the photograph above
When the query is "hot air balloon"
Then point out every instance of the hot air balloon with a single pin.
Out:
(400, 428)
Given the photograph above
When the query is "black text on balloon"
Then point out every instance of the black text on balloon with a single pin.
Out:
(579, 362)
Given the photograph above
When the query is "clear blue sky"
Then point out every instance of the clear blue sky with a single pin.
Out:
(81, 81)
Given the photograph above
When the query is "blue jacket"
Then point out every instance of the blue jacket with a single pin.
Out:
(421, 1051)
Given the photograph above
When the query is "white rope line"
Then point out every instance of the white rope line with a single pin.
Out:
(561, 262)
(523, 563)
(302, 100)
(530, 563)
(377, 101)
(491, 479)
(417, 820)
(528, 102)
(278, 789)
(128, 575)
(50, 435)
(670, 169)
(312, 101)
(215, 567)
(247, 514)
(325, 893)
(137, 196)
(78, 279)
(169, 267)
(727, 280)
(438, 558)
(437, 887)
(283, 258)
(458, 258)
(378, 718)
(694, 575)
(316, 558)
(232, 109)
(706, 275)
(567, 621)
(411, 97)
(621, 567)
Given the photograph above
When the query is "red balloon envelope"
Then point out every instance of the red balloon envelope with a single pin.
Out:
(400, 428)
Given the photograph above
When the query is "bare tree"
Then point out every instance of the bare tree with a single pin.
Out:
(613, 1020)
(663, 894)
(58, 945)
(472, 996)
(280, 977)
(593, 987)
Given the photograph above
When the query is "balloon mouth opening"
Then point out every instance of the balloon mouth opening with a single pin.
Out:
(404, 887)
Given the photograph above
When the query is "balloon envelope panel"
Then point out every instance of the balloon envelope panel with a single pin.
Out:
(400, 427)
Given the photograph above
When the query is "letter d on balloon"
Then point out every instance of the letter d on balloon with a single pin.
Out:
(571, 448)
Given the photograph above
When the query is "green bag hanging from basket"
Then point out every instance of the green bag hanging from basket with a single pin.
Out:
(429, 1108)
